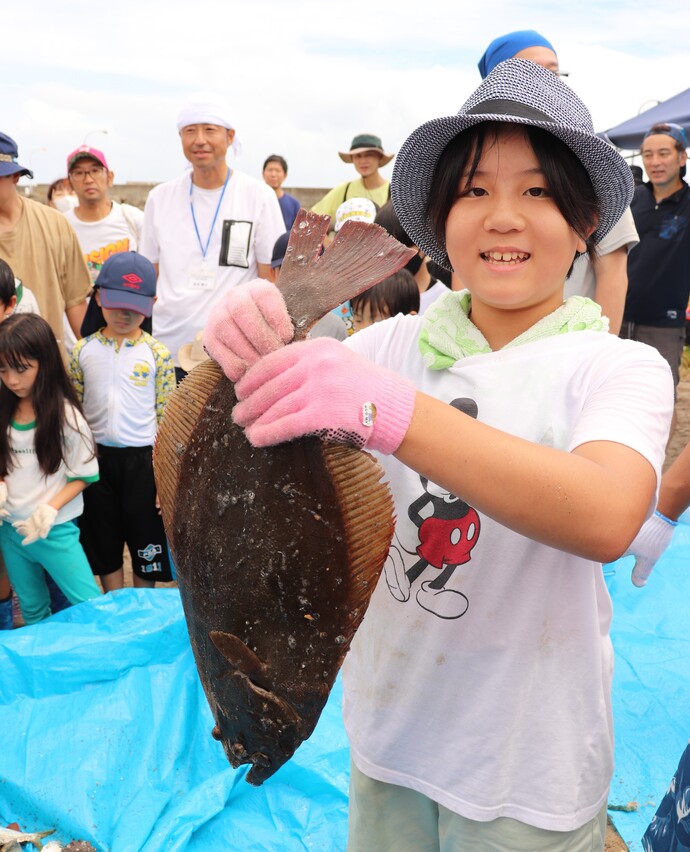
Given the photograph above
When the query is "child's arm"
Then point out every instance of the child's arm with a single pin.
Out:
(76, 374)
(611, 272)
(655, 536)
(3, 500)
(69, 492)
(591, 501)
(165, 377)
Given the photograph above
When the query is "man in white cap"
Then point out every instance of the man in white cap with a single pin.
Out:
(208, 230)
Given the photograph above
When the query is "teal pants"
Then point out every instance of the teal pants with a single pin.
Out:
(61, 555)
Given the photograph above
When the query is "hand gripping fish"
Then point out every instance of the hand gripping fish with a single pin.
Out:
(277, 550)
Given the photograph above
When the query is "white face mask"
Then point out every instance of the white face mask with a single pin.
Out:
(65, 203)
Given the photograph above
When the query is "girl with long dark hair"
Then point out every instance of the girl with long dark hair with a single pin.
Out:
(46, 460)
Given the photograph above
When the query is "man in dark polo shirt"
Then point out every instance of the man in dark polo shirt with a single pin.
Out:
(659, 267)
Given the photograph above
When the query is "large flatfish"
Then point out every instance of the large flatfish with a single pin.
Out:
(277, 550)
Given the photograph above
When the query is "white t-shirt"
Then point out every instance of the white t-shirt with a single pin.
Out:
(122, 387)
(582, 281)
(248, 223)
(429, 296)
(490, 691)
(27, 304)
(28, 487)
(119, 231)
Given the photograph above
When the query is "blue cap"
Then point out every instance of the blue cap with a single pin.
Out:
(509, 45)
(127, 281)
(669, 129)
(8, 158)
(279, 250)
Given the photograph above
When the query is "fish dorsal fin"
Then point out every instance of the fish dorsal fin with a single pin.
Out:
(182, 412)
(361, 255)
(368, 514)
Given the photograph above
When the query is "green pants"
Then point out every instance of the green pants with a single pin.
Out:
(61, 555)
(389, 818)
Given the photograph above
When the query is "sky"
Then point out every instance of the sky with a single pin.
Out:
(302, 77)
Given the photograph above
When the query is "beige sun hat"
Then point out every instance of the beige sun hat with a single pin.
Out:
(190, 355)
(366, 142)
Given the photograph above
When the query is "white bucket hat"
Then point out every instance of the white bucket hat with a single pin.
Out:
(516, 92)
(190, 355)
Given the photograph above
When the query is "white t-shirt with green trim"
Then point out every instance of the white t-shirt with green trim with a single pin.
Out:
(27, 485)
(481, 673)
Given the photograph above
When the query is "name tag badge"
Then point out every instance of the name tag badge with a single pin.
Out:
(201, 278)
(235, 243)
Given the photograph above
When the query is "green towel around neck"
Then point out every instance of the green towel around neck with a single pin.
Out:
(448, 334)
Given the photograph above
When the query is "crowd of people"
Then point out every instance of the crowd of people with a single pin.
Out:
(486, 360)
(117, 360)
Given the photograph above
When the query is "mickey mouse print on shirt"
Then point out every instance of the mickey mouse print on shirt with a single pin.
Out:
(448, 530)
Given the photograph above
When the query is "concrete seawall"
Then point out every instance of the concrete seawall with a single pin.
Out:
(136, 193)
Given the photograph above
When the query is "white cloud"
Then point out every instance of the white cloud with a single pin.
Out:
(302, 78)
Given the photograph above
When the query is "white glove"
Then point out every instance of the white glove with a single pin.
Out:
(38, 525)
(649, 544)
(3, 500)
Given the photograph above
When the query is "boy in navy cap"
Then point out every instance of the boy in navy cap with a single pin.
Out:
(123, 378)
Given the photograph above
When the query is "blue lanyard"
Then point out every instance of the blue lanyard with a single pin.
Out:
(203, 248)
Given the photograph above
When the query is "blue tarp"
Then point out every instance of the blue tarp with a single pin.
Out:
(107, 733)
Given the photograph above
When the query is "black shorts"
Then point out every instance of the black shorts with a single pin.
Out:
(121, 509)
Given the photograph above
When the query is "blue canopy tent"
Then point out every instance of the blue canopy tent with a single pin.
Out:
(629, 134)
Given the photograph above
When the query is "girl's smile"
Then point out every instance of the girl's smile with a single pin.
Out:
(505, 256)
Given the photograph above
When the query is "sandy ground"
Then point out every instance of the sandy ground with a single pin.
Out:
(681, 436)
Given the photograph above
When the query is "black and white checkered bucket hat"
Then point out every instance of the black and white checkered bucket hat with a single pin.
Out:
(516, 92)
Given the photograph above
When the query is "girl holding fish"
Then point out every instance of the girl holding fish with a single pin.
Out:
(523, 446)
(47, 459)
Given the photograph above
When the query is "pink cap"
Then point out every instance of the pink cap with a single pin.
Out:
(84, 151)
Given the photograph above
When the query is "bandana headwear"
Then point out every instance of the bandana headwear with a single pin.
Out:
(208, 112)
(507, 46)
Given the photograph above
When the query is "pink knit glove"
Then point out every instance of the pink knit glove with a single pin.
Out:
(649, 544)
(320, 387)
(251, 322)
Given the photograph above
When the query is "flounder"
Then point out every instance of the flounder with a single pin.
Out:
(277, 550)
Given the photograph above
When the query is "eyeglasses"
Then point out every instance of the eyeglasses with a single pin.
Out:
(94, 174)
